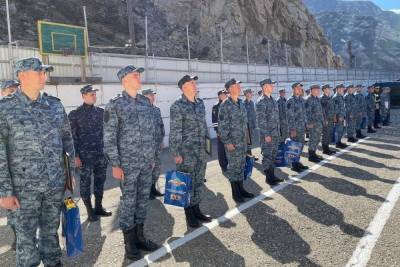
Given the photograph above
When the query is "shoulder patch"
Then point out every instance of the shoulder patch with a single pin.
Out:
(116, 98)
(51, 97)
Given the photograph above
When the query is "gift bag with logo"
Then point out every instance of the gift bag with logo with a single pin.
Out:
(177, 189)
(280, 156)
(71, 228)
(293, 151)
(248, 168)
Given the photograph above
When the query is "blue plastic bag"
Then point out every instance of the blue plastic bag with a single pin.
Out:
(293, 151)
(71, 228)
(248, 168)
(178, 186)
(280, 156)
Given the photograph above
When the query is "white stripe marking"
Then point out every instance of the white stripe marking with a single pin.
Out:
(169, 247)
(364, 248)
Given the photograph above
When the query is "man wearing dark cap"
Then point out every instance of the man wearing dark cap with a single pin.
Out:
(160, 134)
(234, 133)
(251, 117)
(268, 122)
(87, 131)
(377, 98)
(8, 87)
(223, 161)
(361, 110)
(339, 114)
(130, 147)
(370, 106)
(351, 112)
(315, 122)
(297, 119)
(329, 114)
(34, 132)
(281, 100)
(187, 142)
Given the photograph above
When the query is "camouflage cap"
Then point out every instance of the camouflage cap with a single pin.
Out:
(282, 90)
(128, 69)
(231, 82)
(88, 89)
(349, 86)
(247, 91)
(326, 86)
(31, 63)
(148, 92)
(340, 86)
(296, 84)
(9, 83)
(185, 79)
(220, 92)
(266, 81)
(314, 86)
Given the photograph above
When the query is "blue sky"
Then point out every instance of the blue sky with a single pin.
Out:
(388, 4)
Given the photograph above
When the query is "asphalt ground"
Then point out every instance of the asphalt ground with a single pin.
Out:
(343, 211)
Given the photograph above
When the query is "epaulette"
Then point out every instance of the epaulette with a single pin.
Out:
(51, 97)
(116, 98)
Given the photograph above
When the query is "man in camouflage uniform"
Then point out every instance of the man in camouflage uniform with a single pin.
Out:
(9, 87)
(385, 105)
(281, 100)
(377, 98)
(87, 131)
(251, 118)
(328, 110)
(370, 106)
(339, 114)
(315, 122)
(187, 142)
(34, 132)
(160, 133)
(129, 146)
(222, 160)
(351, 111)
(361, 110)
(268, 122)
(234, 133)
(297, 120)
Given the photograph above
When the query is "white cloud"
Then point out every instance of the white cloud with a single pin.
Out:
(395, 10)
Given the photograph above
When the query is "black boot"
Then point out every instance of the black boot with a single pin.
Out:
(92, 217)
(236, 193)
(341, 145)
(154, 192)
(327, 151)
(370, 130)
(359, 135)
(376, 126)
(14, 244)
(191, 219)
(313, 157)
(199, 215)
(302, 166)
(270, 177)
(142, 242)
(99, 210)
(352, 140)
(243, 191)
(296, 167)
(131, 250)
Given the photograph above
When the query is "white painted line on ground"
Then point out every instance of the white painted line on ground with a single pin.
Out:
(364, 248)
(168, 247)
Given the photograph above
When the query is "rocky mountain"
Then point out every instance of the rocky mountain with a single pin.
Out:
(373, 32)
(287, 26)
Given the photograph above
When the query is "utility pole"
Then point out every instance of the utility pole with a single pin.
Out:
(131, 25)
(86, 25)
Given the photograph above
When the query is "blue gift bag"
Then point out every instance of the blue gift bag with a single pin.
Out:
(293, 151)
(71, 228)
(248, 168)
(280, 156)
(334, 136)
(177, 189)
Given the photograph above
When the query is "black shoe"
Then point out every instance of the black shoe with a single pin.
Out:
(92, 217)
(377, 127)
(370, 130)
(302, 166)
(236, 193)
(191, 219)
(341, 145)
(199, 215)
(313, 157)
(142, 242)
(58, 264)
(99, 210)
(360, 135)
(243, 191)
(270, 177)
(14, 244)
(385, 124)
(131, 250)
(256, 159)
(154, 192)
(327, 151)
(352, 140)
(296, 167)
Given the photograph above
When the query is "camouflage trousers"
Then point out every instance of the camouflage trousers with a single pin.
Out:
(339, 131)
(11, 218)
(236, 163)
(284, 132)
(38, 210)
(371, 117)
(97, 168)
(269, 151)
(135, 196)
(315, 136)
(157, 167)
(327, 133)
(351, 126)
(359, 119)
(195, 164)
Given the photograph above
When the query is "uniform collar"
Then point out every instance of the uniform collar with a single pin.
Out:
(184, 98)
(27, 101)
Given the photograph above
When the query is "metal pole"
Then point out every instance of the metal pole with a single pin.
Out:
(269, 60)
(287, 63)
(188, 45)
(247, 58)
(86, 25)
(131, 25)
(147, 49)
(8, 22)
(315, 64)
(302, 63)
(221, 57)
